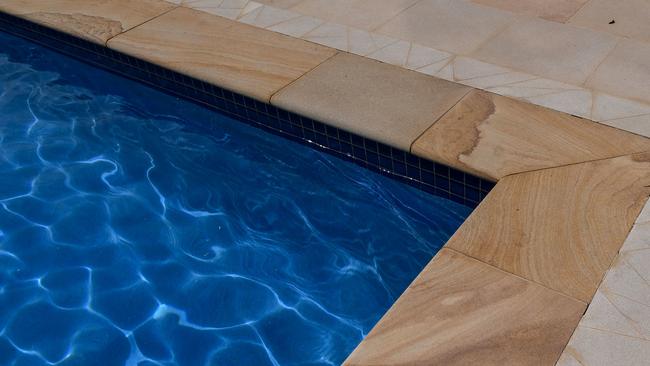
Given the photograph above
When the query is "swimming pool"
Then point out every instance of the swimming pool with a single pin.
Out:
(137, 228)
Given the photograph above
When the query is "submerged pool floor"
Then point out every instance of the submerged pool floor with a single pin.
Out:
(140, 229)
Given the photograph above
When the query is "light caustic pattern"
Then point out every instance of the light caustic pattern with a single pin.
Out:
(130, 236)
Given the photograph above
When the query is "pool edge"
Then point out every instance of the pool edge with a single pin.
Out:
(633, 210)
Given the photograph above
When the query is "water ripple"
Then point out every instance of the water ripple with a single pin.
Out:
(139, 229)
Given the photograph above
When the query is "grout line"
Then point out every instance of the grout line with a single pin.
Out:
(410, 148)
(617, 333)
(514, 274)
(568, 21)
(557, 359)
(583, 162)
(581, 87)
(301, 76)
(601, 62)
(602, 280)
(439, 118)
(374, 29)
(146, 21)
(489, 39)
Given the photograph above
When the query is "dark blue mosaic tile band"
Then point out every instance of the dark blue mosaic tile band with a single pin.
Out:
(429, 176)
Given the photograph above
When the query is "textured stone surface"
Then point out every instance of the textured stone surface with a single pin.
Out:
(631, 17)
(555, 10)
(453, 26)
(236, 56)
(380, 101)
(364, 14)
(625, 72)
(616, 328)
(93, 20)
(495, 136)
(564, 53)
(460, 311)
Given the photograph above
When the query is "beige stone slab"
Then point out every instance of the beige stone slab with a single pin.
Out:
(383, 102)
(494, 136)
(236, 56)
(560, 227)
(363, 14)
(555, 10)
(631, 17)
(639, 237)
(549, 49)
(231, 9)
(625, 72)
(594, 347)
(454, 26)
(282, 4)
(615, 330)
(460, 311)
(93, 20)
(626, 285)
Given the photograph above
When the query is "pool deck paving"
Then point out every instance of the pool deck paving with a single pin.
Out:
(511, 286)
(582, 65)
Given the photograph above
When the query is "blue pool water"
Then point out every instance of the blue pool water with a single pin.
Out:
(140, 229)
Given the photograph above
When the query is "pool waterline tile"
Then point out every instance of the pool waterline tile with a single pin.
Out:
(431, 177)
(388, 104)
(217, 50)
(241, 110)
(573, 99)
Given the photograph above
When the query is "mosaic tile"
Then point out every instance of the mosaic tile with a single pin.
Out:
(561, 96)
(227, 53)
(397, 164)
(460, 311)
(386, 103)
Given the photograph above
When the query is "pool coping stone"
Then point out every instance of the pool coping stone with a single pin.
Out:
(523, 200)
